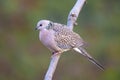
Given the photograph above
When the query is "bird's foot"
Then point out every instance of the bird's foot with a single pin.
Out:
(55, 53)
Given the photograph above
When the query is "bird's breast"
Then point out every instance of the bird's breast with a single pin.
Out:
(47, 38)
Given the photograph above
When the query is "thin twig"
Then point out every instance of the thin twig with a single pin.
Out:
(72, 17)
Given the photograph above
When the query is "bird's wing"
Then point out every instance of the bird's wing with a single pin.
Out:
(65, 38)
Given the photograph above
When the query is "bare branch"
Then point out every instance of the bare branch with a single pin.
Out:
(52, 67)
(73, 15)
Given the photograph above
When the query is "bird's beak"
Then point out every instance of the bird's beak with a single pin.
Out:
(36, 28)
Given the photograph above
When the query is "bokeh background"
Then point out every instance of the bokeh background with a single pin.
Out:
(23, 57)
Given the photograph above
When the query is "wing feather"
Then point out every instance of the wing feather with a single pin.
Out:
(65, 38)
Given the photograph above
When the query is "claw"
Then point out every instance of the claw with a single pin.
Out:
(55, 53)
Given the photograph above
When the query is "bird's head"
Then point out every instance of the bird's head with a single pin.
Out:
(44, 24)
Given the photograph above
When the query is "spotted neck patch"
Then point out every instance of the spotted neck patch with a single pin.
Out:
(50, 26)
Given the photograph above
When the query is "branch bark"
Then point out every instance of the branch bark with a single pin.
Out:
(72, 17)
(52, 67)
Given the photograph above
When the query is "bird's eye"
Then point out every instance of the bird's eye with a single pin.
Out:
(40, 24)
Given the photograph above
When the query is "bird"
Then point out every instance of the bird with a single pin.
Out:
(59, 38)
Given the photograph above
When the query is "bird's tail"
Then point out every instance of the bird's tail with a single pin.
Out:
(89, 57)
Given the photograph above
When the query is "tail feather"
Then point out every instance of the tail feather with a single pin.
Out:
(90, 58)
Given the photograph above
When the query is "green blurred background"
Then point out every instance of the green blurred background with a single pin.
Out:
(23, 57)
